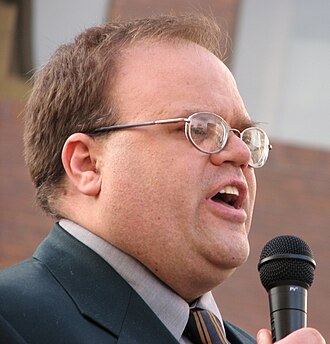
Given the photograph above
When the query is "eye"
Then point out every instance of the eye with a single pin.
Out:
(247, 139)
(199, 130)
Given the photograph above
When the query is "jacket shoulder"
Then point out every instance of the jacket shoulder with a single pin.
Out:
(20, 276)
(27, 288)
(30, 294)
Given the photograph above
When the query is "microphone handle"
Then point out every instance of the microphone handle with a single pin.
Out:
(288, 310)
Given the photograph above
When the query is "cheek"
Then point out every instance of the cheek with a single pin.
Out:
(151, 184)
(149, 206)
(252, 184)
(252, 187)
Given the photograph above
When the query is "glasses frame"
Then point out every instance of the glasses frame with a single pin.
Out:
(187, 121)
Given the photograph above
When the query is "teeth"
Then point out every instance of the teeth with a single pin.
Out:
(231, 190)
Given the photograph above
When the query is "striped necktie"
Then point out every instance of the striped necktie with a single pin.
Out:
(204, 327)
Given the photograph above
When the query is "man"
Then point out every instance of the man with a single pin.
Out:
(141, 148)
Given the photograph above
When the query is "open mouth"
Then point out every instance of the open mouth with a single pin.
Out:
(229, 195)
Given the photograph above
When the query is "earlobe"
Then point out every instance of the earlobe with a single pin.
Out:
(79, 158)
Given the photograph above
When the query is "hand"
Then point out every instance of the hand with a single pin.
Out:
(302, 336)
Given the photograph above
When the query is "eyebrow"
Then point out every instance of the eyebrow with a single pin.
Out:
(240, 122)
(245, 123)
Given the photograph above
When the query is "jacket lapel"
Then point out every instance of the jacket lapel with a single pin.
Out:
(99, 292)
(235, 335)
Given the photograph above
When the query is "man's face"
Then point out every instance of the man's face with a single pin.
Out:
(157, 192)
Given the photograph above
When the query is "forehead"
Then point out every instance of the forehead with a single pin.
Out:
(172, 79)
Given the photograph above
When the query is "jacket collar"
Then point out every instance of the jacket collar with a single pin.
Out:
(99, 292)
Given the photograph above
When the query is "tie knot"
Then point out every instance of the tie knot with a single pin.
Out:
(204, 327)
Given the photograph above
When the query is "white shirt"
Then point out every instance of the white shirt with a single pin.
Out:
(169, 307)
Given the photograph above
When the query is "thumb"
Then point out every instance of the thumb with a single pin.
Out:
(264, 337)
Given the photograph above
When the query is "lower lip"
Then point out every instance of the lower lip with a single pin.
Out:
(227, 212)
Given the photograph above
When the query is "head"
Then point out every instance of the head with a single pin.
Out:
(147, 190)
(73, 92)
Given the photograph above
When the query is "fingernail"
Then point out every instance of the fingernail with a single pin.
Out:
(260, 336)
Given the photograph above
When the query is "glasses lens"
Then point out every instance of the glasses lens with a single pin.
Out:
(257, 141)
(207, 132)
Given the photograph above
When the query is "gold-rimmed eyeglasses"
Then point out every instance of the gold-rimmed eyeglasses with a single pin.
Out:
(209, 132)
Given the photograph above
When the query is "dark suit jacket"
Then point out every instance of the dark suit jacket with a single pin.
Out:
(68, 294)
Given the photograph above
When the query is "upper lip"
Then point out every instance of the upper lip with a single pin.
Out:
(238, 185)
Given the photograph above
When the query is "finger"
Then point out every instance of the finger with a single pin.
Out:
(304, 335)
(264, 337)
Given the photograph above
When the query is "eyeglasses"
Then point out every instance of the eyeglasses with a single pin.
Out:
(209, 132)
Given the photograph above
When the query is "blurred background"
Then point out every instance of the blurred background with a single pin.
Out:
(279, 53)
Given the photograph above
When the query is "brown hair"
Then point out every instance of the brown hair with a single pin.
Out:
(69, 91)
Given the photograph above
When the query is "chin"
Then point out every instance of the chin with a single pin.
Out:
(234, 252)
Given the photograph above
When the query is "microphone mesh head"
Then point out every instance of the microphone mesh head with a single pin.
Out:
(278, 270)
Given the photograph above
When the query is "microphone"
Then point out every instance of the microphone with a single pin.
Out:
(286, 269)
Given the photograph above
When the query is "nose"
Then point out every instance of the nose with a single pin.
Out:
(235, 152)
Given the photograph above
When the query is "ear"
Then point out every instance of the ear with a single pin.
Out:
(80, 158)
